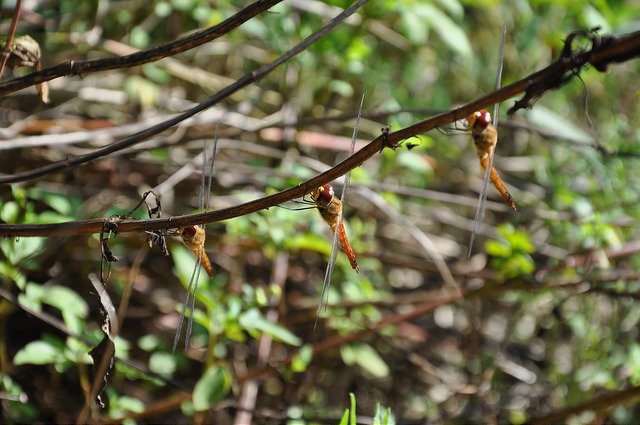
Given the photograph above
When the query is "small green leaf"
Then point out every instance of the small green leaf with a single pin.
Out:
(302, 358)
(448, 30)
(366, 357)
(139, 38)
(38, 352)
(150, 342)
(163, 364)
(184, 264)
(254, 320)
(383, 416)
(595, 19)
(343, 88)
(345, 417)
(66, 300)
(211, 387)
(543, 117)
(352, 416)
(17, 250)
(497, 248)
(130, 404)
(9, 212)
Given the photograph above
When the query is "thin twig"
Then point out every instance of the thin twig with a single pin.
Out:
(139, 58)
(6, 52)
(597, 405)
(244, 81)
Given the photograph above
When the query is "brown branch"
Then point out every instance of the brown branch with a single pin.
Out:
(6, 52)
(625, 46)
(165, 125)
(104, 64)
(605, 50)
(598, 404)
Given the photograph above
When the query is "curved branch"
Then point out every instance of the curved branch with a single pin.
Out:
(598, 404)
(623, 47)
(165, 125)
(139, 58)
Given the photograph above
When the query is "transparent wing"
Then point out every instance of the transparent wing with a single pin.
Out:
(482, 198)
(334, 246)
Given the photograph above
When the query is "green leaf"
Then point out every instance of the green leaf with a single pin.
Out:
(38, 352)
(150, 342)
(302, 358)
(184, 264)
(343, 88)
(366, 357)
(211, 387)
(163, 364)
(383, 416)
(345, 417)
(60, 203)
(130, 404)
(448, 30)
(497, 248)
(594, 18)
(9, 212)
(352, 416)
(139, 38)
(18, 250)
(254, 320)
(556, 124)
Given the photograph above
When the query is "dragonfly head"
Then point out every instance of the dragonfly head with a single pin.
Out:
(479, 120)
(189, 232)
(322, 196)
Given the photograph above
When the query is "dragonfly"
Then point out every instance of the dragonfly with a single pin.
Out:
(330, 208)
(194, 237)
(485, 137)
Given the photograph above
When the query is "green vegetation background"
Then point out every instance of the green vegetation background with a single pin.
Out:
(557, 323)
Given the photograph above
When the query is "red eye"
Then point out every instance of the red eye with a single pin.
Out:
(325, 193)
(189, 231)
(479, 120)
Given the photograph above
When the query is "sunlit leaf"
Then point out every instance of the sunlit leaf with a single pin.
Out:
(162, 363)
(184, 263)
(557, 124)
(38, 352)
(253, 319)
(302, 358)
(211, 387)
(366, 357)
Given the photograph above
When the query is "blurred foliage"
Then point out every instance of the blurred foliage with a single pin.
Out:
(553, 324)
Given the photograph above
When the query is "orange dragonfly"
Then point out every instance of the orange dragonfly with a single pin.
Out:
(330, 208)
(194, 237)
(485, 137)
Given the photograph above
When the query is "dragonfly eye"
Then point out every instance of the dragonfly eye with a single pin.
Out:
(479, 120)
(323, 195)
(189, 232)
